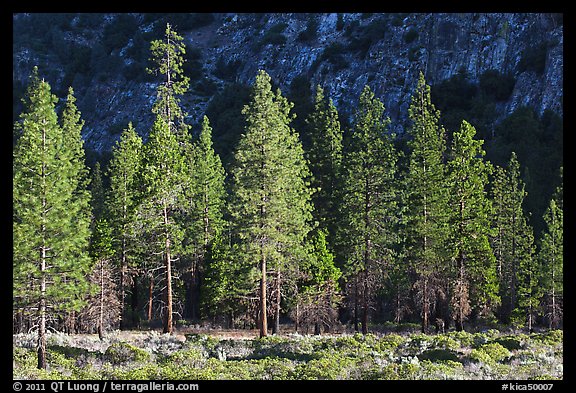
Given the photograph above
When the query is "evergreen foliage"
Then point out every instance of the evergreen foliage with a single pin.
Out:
(51, 214)
(320, 222)
(513, 240)
(325, 158)
(368, 204)
(270, 206)
(551, 260)
(475, 285)
(122, 201)
(426, 186)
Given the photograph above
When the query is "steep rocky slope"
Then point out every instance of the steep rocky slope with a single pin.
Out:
(103, 57)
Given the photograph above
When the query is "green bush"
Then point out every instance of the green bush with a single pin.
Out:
(332, 367)
(440, 370)
(465, 339)
(438, 355)
(490, 353)
(121, 352)
(389, 342)
(445, 341)
(553, 337)
(512, 343)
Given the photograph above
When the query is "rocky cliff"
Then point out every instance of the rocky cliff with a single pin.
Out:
(104, 60)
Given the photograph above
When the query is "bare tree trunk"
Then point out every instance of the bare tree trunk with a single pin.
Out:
(168, 266)
(101, 313)
(365, 306)
(276, 327)
(150, 297)
(134, 303)
(263, 317)
(356, 303)
(425, 306)
(42, 313)
(123, 268)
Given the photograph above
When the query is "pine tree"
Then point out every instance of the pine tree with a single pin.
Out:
(98, 192)
(122, 200)
(205, 195)
(369, 203)
(325, 158)
(475, 285)
(164, 163)
(168, 58)
(103, 308)
(163, 178)
(51, 213)
(271, 206)
(512, 242)
(551, 258)
(426, 203)
(318, 293)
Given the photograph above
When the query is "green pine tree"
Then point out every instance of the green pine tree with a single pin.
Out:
(426, 188)
(369, 204)
(164, 167)
(163, 178)
(51, 214)
(98, 192)
(475, 284)
(205, 196)
(122, 201)
(318, 292)
(551, 258)
(271, 206)
(103, 309)
(325, 158)
(168, 56)
(513, 239)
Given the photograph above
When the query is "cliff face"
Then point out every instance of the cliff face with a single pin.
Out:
(341, 52)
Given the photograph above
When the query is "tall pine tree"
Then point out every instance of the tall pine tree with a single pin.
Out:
(475, 285)
(162, 176)
(427, 215)
(513, 240)
(271, 206)
(369, 204)
(122, 201)
(205, 198)
(51, 209)
(325, 158)
(164, 162)
(551, 258)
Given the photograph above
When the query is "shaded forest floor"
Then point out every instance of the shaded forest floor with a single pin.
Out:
(201, 354)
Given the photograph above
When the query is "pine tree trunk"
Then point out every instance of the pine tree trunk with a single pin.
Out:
(150, 297)
(123, 269)
(425, 306)
(365, 307)
(42, 313)
(356, 303)
(276, 327)
(263, 317)
(134, 303)
(168, 266)
(101, 313)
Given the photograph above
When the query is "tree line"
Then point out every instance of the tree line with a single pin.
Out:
(348, 229)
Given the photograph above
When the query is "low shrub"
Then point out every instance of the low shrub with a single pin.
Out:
(121, 352)
(490, 353)
(439, 355)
